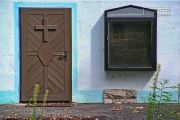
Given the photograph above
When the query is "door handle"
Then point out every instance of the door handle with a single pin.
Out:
(63, 56)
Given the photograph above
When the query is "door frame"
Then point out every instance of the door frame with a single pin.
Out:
(69, 55)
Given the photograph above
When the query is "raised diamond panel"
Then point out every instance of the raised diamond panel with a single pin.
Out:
(45, 53)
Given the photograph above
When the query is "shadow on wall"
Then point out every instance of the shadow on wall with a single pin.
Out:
(101, 79)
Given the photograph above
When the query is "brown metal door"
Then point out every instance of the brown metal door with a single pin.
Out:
(46, 53)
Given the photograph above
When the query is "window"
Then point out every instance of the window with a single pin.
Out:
(130, 38)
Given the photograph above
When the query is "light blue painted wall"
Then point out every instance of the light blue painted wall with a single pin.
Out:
(143, 96)
(9, 92)
(89, 77)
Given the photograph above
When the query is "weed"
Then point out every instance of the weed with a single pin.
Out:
(28, 116)
(35, 95)
(44, 102)
(178, 86)
(152, 96)
(162, 98)
(156, 107)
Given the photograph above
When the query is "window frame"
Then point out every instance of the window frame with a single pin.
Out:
(153, 40)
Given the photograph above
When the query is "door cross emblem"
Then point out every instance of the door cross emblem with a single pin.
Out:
(45, 27)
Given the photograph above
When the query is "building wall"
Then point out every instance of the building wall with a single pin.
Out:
(89, 77)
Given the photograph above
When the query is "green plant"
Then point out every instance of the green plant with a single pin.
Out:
(157, 99)
(162, 98)
(35, 95)
(44, 102)
(152, 96)
(178, 86)
(150, 107)
(28, 116)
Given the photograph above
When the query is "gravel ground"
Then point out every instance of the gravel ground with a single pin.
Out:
(82, 112)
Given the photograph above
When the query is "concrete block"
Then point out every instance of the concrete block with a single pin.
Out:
(119, 96)
(107, 101)
(115, 94)
(118, 101)
(130, 101)
(130, 94)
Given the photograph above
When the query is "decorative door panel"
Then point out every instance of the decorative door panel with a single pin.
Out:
(46, 53)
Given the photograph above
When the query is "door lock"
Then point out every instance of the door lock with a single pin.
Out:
(63, 56)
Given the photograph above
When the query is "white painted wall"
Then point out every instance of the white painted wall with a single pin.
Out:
(90, 45)
(6, 46)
